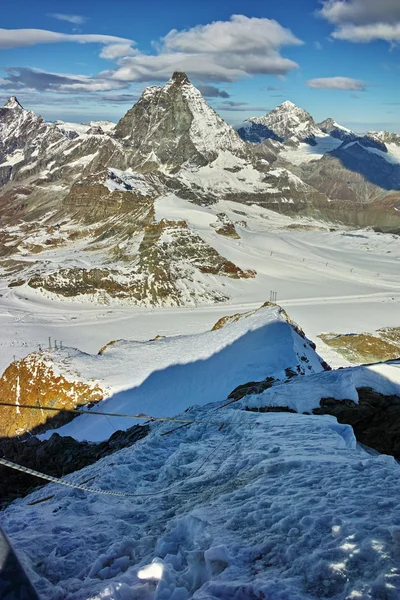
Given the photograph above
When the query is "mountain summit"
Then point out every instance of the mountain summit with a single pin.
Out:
(173, 124)
(289, 122)
(13, 103)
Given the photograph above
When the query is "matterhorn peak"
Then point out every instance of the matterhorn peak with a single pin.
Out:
(173, 124)
(179, 78)
(13, 103)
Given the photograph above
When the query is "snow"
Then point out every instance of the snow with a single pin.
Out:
(270, 506)
(140, 184)
(357, 291)
(226, 174)
(84, 160)
(306, 153)
(82, 128)
(208, 131)
(304, 395)
(289, 122)
(14, 158)
(168, 375)
(335, 124)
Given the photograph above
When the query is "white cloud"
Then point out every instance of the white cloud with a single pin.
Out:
(240, 34)
(337, 83)
(76, 19)
(219, 51)
(363, 34)
(114, 51)
(363, 21)
(15, 38)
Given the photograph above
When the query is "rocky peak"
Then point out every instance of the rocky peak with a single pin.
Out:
(335, 130)
(179, 78)
(173, 124)
(289, 123)
(385, 137)
(327, 125)
(12, 103)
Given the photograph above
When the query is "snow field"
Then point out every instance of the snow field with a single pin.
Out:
(358, 290)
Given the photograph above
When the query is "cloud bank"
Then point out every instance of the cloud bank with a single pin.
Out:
(363, 21)
(220, 51)
(337, 83)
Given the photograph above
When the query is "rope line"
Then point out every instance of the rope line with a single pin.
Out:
(120, 415)
(17, 467)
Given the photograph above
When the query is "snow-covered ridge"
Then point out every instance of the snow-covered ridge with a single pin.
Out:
(83, 128)
(200, 369)
(208, 131)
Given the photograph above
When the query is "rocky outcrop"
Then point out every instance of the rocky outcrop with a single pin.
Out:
(224, 226)
(335, 130)
(375, 419)
(168, 253)
(34, 381)
(361, 348)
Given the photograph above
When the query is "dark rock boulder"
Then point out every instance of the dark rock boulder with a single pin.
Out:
(375, 419)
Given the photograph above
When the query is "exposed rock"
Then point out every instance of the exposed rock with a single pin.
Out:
(171, 125)
(169, 251)
(364, 347)
(337, 131)
(252, 387)
(33, 381)
(224, 226)
(375, 419)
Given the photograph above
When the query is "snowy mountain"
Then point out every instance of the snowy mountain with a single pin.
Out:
(26, 141)
(78, 203)
(172, 125)
(288, 123)
(386, 137)
(335, 130)
(74, 130)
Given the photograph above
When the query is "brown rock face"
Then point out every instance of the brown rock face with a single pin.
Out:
(33, 381)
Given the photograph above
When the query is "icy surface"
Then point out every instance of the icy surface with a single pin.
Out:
(278, 506)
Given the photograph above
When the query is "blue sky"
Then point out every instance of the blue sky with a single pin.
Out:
(91, 59)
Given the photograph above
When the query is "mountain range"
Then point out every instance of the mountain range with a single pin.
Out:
(82, 206)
